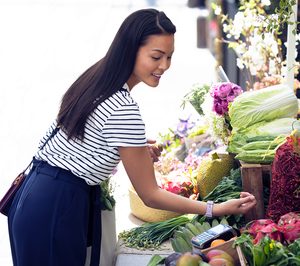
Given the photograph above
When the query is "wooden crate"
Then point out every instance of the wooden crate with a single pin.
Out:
(236, 253)
(252, 180)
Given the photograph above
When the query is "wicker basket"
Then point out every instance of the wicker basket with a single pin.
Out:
(147, 214)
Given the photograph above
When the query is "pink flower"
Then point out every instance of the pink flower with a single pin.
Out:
(223, 93)
(179, 185)
(220, 107)
(174, 188)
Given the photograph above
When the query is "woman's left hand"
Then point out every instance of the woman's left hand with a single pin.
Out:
(155, 150)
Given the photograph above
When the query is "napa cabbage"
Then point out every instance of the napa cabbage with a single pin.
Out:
(266, 104)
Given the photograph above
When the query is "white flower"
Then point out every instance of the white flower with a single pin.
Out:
(239, 63)
(226, 27)
(238, 24)
(259, 21)
(218, 11)
(240, 49)
(286, 45)
(274, 17)
(257, 60)
(249, 20)
(266, 2)
(272, 67)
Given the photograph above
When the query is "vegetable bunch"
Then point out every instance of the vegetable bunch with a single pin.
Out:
(269, 251)
(266, 114)
(151, 235)
(229, 187)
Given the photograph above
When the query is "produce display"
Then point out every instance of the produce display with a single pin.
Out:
(221, 255)
(265, 242)
(241, 132)
(214, 257)
(202, 160)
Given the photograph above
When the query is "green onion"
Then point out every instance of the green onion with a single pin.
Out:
(152, 235)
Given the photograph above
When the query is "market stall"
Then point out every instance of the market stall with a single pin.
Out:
(241, 139)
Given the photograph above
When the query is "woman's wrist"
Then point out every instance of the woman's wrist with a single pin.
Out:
(218, 210)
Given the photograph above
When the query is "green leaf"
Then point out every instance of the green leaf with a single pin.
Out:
(156, 260)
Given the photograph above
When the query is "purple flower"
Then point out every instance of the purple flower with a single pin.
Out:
(223, 93)
(183, 126)
(220, 107)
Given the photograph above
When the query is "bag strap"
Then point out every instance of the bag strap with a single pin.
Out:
(53, 133)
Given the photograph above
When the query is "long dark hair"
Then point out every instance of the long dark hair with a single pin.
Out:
(110, 73)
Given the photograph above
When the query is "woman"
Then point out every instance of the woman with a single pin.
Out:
(98, 125)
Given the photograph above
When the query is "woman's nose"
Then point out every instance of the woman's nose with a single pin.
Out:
(165, 64)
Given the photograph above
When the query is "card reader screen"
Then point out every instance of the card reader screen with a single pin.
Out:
(216, 230)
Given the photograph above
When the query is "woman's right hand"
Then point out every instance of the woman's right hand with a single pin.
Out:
(235, 206)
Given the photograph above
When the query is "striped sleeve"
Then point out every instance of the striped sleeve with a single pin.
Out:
(125, 127)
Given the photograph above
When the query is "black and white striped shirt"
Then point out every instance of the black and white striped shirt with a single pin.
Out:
(116, 122)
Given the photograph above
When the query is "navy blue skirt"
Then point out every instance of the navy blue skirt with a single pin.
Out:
(51, 217)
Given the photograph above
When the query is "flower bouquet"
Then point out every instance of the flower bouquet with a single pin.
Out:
(220, 96)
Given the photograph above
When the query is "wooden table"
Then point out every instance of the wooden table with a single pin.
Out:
(252, 180)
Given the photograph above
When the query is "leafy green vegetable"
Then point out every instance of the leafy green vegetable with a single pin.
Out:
(268, 251)
(229, 187)
(106, 198)
(256, 156)
(196, 97)
(261, 145)
(266, 104)
(295, 247)
(274, 128)
(274, 131)
(156, 260)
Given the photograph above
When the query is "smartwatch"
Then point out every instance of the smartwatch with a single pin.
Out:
(209, 209)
